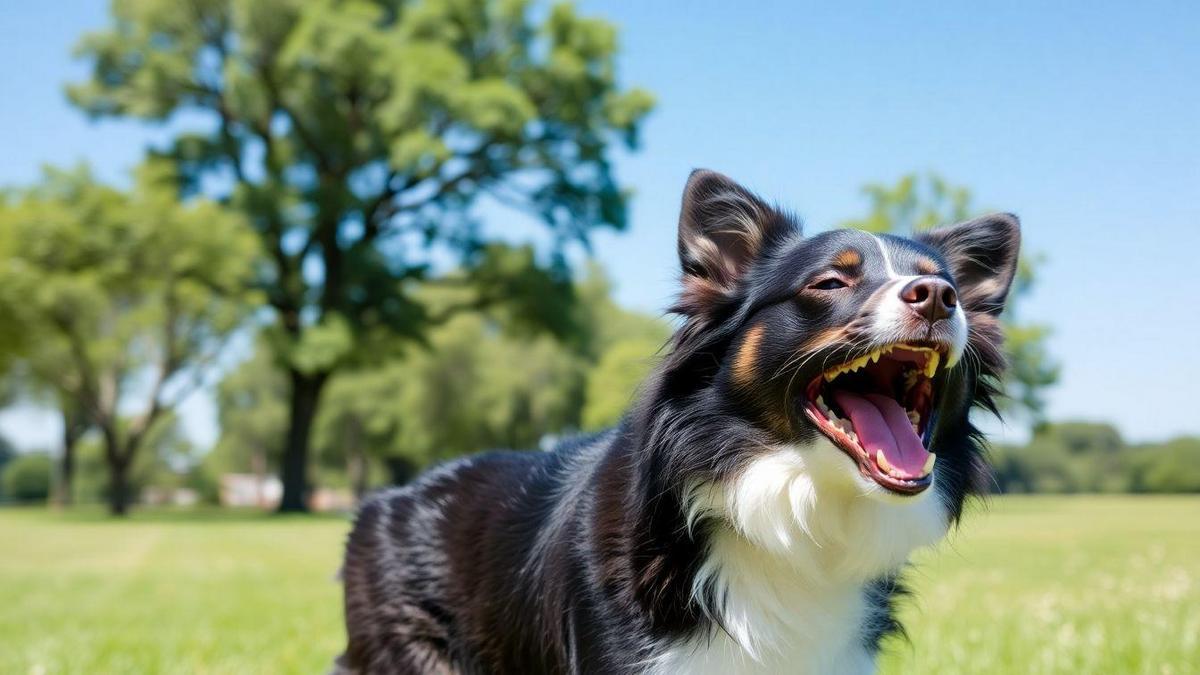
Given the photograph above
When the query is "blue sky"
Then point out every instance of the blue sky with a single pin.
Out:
(1083, 118)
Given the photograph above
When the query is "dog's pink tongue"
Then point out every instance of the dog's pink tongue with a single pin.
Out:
(881, 424)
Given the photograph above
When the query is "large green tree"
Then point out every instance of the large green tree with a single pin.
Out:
(122, 299)
(920, 201)
(358, 136)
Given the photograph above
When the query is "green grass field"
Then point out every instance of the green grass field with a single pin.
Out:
(1031, 585)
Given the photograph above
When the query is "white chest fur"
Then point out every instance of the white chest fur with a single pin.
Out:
(801, 534)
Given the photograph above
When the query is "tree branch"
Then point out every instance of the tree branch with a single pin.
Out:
(307, 137)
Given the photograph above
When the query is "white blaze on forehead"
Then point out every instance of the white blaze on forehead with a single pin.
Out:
(887, 260)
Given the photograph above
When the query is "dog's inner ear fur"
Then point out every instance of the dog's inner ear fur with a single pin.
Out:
(982, 255)
(722, 228)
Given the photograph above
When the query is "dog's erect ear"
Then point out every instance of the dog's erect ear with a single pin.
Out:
(722, 227)
(982, 255)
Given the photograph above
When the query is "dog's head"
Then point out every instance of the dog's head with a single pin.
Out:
(879, 343)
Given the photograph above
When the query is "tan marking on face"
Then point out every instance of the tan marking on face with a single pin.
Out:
(927, 266)
(848, 258)
(747, 356)
(825, 338)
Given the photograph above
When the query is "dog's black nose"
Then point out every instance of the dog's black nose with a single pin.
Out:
(931, 297)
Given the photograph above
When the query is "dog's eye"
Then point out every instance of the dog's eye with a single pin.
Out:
(829, 284)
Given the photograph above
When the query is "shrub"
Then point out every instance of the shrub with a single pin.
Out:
(27, 478)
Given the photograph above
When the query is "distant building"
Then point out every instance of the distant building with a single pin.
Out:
(329, 499)
(247, 490)
(159, 496)
(250, 490)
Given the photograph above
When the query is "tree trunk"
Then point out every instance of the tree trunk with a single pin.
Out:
(305, 395)
(119, 490)
(401, 470)
(357, 466)
(64, 484)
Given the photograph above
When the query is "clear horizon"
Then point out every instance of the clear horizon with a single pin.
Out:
(1084, 119)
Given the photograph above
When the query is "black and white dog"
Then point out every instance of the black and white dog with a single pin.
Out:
(753, 511)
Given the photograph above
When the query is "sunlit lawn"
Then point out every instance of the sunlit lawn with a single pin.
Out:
(1064, 585)
(168, 594)
(1060, 585)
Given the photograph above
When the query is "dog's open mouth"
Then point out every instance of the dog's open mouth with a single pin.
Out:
(876, 408)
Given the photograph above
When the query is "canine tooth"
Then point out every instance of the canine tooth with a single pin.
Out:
(929, 463)
(881, 459)
(932, 366)
(913, 416)
(830, 375)
(875, 355)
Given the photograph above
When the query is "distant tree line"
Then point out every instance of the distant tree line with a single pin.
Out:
(1071, 457)
(358, 448)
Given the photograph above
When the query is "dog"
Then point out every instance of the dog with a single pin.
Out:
(804, 432)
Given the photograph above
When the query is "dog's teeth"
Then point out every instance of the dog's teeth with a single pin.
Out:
(881, 459)
(853, 436)
(875, 355)
(914, 416)
(916, 429)
(932, 365)
(928, 468)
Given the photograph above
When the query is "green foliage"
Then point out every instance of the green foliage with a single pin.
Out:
(123, 298)
(919, 202)
(26, 478)
(358, 135)
(357, 138)
(1092, 457)
(473, 389)
(913, 204)
(613, 383)
(166, 460)
(481, 381)
(252, 415)
(622, 348)
(1173, 466)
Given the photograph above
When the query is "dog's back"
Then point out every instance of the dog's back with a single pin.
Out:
(421, 560)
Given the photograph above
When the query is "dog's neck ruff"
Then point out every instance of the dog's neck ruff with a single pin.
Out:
(796, 539)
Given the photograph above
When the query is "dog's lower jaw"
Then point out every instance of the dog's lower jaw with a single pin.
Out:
(795, 539)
